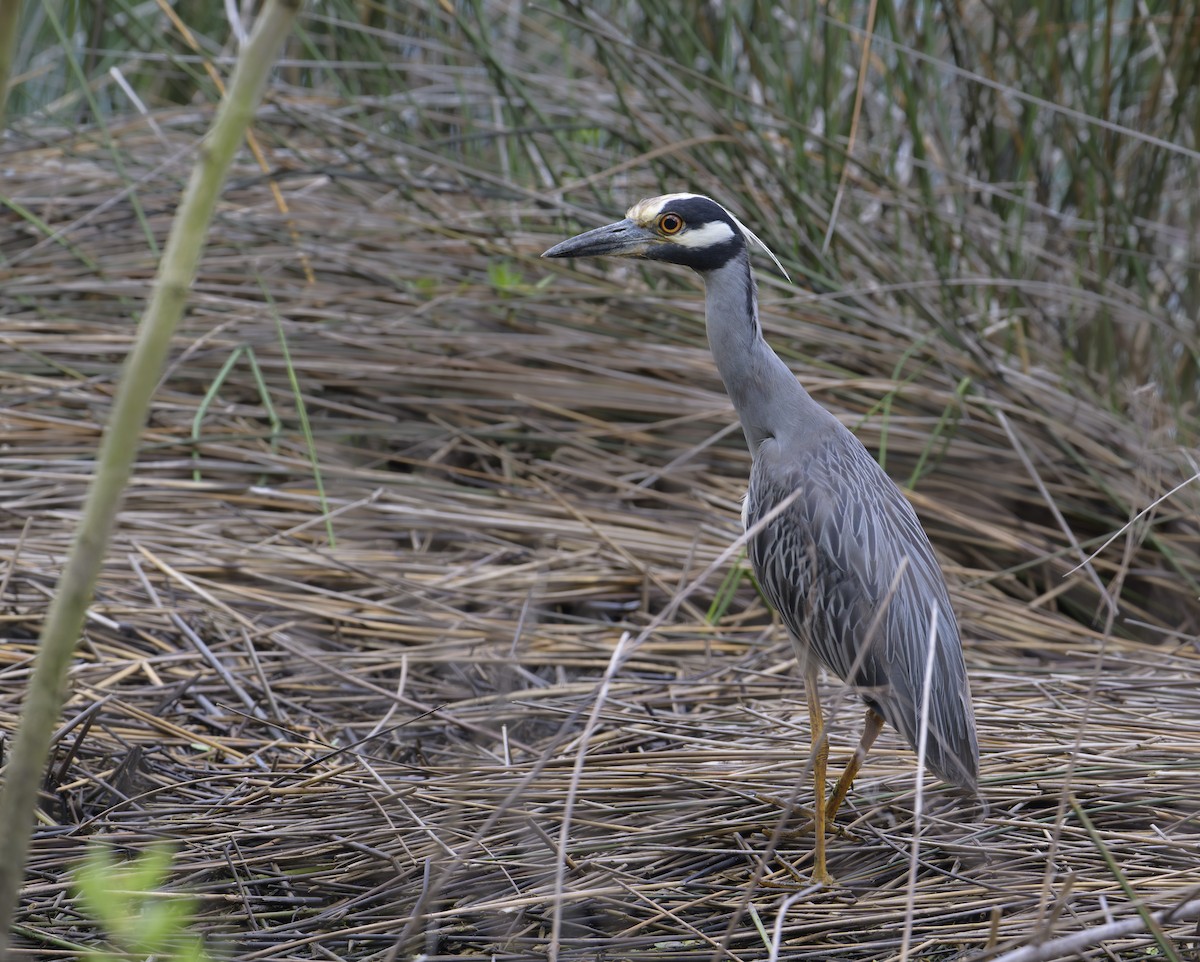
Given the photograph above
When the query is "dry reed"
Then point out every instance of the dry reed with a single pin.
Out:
(517, 476)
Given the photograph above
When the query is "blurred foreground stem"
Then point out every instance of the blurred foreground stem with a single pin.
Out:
(64, 619)
(10, 17)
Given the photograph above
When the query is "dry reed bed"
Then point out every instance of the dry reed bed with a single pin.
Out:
(518, 477)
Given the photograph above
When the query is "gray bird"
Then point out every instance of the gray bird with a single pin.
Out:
(836, 547)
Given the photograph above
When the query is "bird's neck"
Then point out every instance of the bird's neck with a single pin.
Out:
(768, 398)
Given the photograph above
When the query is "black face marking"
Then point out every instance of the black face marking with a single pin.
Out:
(697, 212)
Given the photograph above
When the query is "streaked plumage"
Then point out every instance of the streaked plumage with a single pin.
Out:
(846, 562)
(851, 573)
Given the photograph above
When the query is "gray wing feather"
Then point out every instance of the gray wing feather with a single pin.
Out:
(854, 578)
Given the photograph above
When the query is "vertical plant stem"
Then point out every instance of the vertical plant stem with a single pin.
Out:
(10, 17)
(64, 619)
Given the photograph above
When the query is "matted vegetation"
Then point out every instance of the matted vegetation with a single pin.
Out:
(451, 671)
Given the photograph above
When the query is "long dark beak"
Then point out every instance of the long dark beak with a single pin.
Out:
(622, 239)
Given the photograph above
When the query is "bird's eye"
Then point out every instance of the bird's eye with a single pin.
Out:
(670, 223)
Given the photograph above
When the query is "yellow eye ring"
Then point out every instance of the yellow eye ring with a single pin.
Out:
(670, 224)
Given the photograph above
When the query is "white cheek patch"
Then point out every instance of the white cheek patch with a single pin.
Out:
(712, 234)
(645, 211)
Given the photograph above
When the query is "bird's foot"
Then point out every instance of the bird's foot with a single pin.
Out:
(807, 826)
(789, 876)
(823, 878)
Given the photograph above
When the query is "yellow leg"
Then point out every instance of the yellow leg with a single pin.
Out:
(871, 730)
(820, 760)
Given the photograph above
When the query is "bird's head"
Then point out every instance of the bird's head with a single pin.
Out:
(687, 229)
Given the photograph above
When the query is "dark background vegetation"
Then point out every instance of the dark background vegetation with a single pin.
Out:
(418, 636)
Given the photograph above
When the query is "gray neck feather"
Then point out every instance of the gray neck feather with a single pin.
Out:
(768, 398)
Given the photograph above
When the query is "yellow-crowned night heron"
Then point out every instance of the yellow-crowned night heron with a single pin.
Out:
(841, 554)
